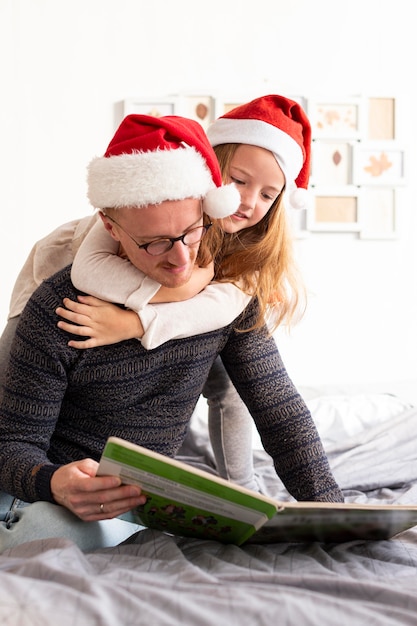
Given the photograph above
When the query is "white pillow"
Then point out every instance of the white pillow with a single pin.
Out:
(340, 416)
(347, 415)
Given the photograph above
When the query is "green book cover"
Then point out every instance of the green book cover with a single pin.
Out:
(183, 500)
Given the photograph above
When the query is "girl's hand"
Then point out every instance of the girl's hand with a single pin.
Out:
(104, 323)
(199, 280)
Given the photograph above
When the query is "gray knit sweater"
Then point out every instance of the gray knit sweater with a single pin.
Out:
(60, 404)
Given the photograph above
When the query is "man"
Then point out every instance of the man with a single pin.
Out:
(157, 182)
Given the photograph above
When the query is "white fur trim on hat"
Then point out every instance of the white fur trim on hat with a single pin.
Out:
(259, 133)
(140, 179)
(143, 178)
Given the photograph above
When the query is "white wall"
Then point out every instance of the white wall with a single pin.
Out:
(65, 65)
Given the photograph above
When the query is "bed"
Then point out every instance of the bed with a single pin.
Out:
(154, 578)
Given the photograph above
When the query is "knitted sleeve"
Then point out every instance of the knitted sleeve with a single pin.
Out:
(98, 271)
(284, 422)
(34, 386)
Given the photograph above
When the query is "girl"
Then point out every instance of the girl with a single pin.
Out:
(263, 147)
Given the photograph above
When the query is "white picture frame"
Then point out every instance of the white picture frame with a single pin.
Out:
(199, 107)
(378, 213)
(383, 120)
(331, 163)
(337, 118)
(334, 210)
(379, 163)
(156, 107)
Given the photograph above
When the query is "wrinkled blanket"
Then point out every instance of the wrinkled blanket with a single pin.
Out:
(157, 579)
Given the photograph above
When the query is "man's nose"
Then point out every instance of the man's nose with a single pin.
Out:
(179, 253)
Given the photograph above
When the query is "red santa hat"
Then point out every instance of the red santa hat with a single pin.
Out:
(154, 159)
(277, 124)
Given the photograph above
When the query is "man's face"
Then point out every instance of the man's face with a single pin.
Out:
(165, 220)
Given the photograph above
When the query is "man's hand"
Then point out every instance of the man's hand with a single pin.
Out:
(92, 497)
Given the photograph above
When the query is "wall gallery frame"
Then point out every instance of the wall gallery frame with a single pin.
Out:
(357, 161)
(358, 164)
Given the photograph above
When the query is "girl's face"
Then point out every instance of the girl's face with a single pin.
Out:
(259, 179)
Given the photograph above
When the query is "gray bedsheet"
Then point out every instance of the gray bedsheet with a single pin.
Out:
(162, 580)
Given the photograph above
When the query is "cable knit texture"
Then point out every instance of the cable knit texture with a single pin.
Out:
(60, 404)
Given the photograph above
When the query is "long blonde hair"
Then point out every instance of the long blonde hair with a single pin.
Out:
(260, 260)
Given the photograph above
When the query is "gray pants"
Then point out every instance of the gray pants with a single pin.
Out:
(230, 427)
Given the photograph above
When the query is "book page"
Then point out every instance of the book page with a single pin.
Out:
(343, 522)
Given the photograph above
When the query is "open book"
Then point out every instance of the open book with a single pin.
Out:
(186, 501)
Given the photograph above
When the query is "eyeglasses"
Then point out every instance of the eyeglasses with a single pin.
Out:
(191, 238)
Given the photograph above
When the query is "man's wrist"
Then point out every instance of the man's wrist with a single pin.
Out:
(43, 477)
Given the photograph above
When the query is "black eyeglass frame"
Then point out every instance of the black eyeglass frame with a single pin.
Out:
(169, 240)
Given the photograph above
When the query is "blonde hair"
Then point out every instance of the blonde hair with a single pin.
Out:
(260, 260)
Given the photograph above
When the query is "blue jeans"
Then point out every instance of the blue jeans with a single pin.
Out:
(8, 509)
(21, 522)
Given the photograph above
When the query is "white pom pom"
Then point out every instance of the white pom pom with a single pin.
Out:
(299, 198)
(221, 201)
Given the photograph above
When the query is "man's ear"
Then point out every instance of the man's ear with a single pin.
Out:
(109, 225)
